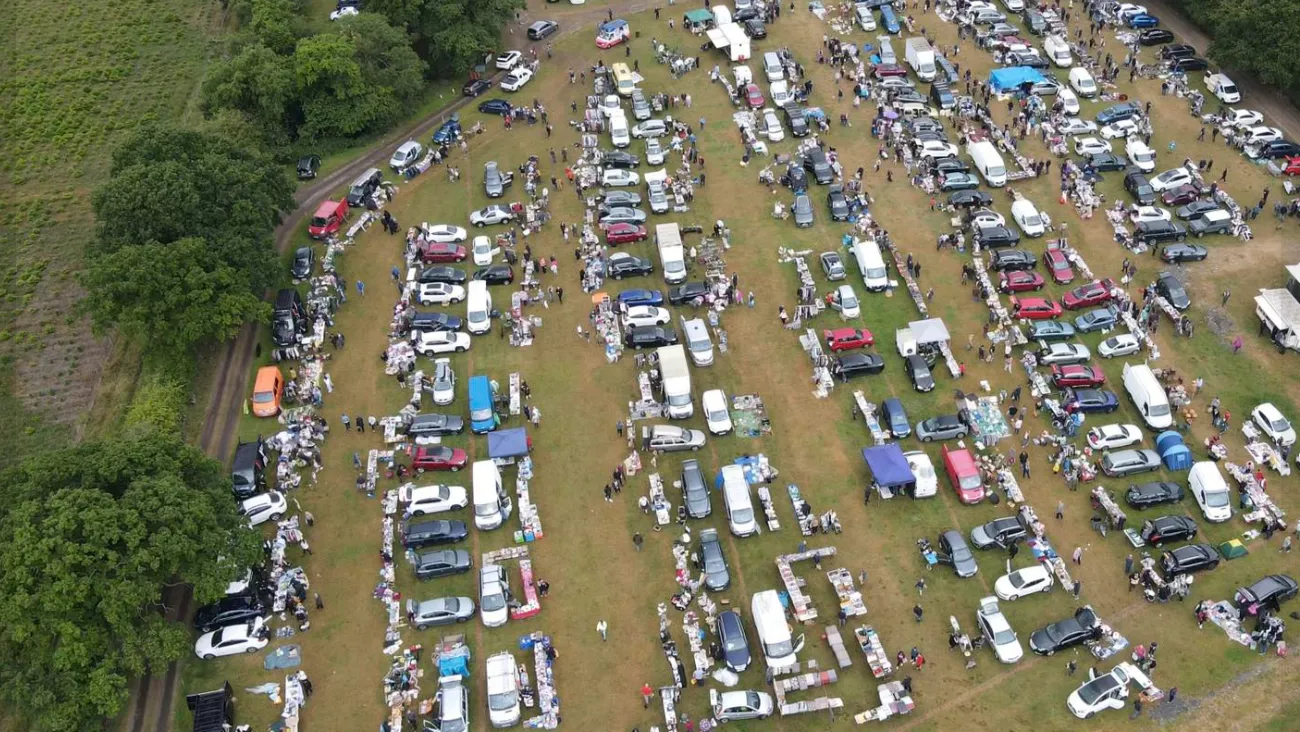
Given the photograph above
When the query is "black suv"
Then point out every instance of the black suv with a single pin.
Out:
(794, 117)
(649, 336)
(993, 237)
(1268, 593)
(1188, 559)
(1168, 529)
(1168, 287)
(1000, 532)
(1152, 232)
(289, 319)
(918, 372)
(1012, 260)
(418, 532)
(247, 471)
(814, 161)
(1139, 187)
(1079, 628)
(228, 611)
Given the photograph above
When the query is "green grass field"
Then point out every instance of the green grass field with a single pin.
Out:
(587, 554)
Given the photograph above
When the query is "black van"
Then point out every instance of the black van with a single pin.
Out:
(795, 119)
(248, 470)
(942, 96)
(364, 186)
(289, 320)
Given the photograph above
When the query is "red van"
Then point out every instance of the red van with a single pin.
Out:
(964, 474)
(328, 219)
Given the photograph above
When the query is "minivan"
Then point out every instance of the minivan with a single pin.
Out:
(267, 390)
(492, 504)
(482, 409)
(247, 471)
(894, 418)
(289, 319)
(618, 131)
(942, 96)
(1210, 491)
(364, 186)
(736, 499)
(479, 309)
(698, 342)
(772, 66)
(775, 639)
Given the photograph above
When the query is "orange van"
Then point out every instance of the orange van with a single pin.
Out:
(267, 389)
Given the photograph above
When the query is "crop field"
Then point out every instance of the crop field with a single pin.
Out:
(587, 554)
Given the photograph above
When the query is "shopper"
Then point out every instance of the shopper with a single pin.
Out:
(637, 540)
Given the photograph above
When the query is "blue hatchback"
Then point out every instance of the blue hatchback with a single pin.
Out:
(894, 418)
(632, 298)
(495, 106)
(1102, 319)
(448, 132)
(1143, 20)
(1092, 400)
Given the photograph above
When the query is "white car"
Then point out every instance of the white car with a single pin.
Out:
(263, 507)
(427, 499)
(1028, 218)
(1119, 128)
(1271, 422)
(495, 214)
(619, 178)
(1128, 10)
(516, 79)
(1069, 102)
(502, 673)
(493, 595)
(716, 415)
(645, 315)
(347, 11)
(1090, 146)
(1107, 691)
(1014, 6)
(509, 60)
(1113, 436)
(772, 123)
(1140, 154)
(845, 301)
(445, 234)
(439, 293)
(927, 481)
(997, 631)
(935, 150)
(442, 341)
(1260, 135)
(1170, 179)
(409, 152)
(241, 585)
(444, 382)
(986, 219)
(654, 152)
(1024, 581)
(1073, 126)
(1150, 214)
(610, 106)
(650, 128)
(1243, 118)
(779, 93)
(1119, 345)
(232, 640)
(728, 706)
(484, 251)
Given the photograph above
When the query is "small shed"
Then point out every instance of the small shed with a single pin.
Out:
(890, 472)
(1173, 452)
(697, 20)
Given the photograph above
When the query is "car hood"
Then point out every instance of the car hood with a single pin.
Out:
(980, 537)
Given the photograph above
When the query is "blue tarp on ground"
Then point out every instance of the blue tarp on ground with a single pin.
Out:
(1012, 77)
(888, 467)
(508, 443)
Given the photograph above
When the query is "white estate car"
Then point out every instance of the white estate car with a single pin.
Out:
(618, 177)
(733, 705)
(445, 234)
(442, 341)
(347, 11)
(1119, 345)
(503, 690)
(232, 640)
(1074, 126)
(1027, 217)
(997, 631)
(426, 499)
(509, 60)
(935, 149)
(516, 79)
(1140, 154)
(645, 315)
(439, 293)
(1271, 422)
(1261, 134)
(927, 482)
(1119, 128)
(1090, 146)
(493, 595)
(497, 213)
(716, 416)
(409, 152)
(1024, 581)
(444, 382)
(1150, 213)
(845, 301)
(263, 507)
(1170, 179)
(772, 123)
(484, 251)
(1113, 436)
(654, 152)
(650, 128)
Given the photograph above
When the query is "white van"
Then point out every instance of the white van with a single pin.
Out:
(772, 67)
(673, 259)
(492, 505)
(479, 313)
(871, 265)
(1058, 50)
(866, 18)
(1210, 491)
(736, 499)
(1140, 154)
(775, 639)
(698, 343)
(988, 162)
(618, 130)
(1149, 397)
(1083, 83)
(1223, 88)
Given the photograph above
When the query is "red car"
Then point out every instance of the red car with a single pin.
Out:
(439, 457)
(1078, 376)
(885, 70)
(844, 339)
(1009, 282)
(1059, 266)
(1181, 196)
(1034, 308)
(624, 234)
(1093, 293)
(434, 252)
(1292, 166)
(754, 96)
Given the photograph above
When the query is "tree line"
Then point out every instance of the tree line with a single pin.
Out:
(1255, 36)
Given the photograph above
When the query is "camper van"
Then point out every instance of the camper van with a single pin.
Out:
(1210, 491)
(623, 82)
(479, 314)
(676, 376)
(988, 162)
(775, 638)
(736, 499)
(1149, 397)
(492, 504)
(698, 342)
(871, 265)
(482, 411)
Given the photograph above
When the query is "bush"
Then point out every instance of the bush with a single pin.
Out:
(160, 403)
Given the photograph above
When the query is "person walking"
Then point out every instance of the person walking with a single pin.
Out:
(647, 694)
(842, 616)
(609, 493)
(320, 604)
(347, 423)
(603, 628)
(920, 587)
(1060, 510)
(1137, 709)
(1071, 667)
(1128, 565)
(1077, 556)
(361, 423)
(918, 612)
(637, 540)
(1078, 587)
(361, 288)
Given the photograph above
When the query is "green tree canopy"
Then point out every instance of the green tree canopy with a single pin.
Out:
(258, 83)
(89, 538)
(1252, 36)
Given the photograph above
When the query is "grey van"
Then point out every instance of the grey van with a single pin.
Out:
(364, 186)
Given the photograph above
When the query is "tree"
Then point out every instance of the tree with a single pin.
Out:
(384, 55)
(273, 23)
(259, 84)
(450, 35)
(89, 538)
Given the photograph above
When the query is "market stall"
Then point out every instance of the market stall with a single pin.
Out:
(890, 472)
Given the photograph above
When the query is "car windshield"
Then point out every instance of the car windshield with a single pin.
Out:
(1158, 410)
(744, 516)
(262, 397)
(849, 302)
(1281, 425)
(780, 649)
(480, 415)
(1017, 580)
(1093, 691)
(875, 273)
(735, 642)
(679, 400)
(1033, 220)
(1216, 499)
(494, 602)
(486, 509)
(1004, 637)
(716, 415)
(319, 221)
(971, 482)
(503, 701)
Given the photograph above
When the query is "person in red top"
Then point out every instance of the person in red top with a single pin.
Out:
(920, 661)
(647, 694)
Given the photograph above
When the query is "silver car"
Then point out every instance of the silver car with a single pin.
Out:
(670, 438)
(1120, 463)
(494, 181)
(833, 266)
(1063, 353)
(439, 611)
(803, 211)
(658, 197)
(650, 128)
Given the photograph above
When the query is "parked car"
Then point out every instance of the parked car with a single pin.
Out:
(1000, 532)
(515, 80)
(439, 293)
(263, 507)
(444, 382)
(619, 177)
(427, 343)
(993, 237)
(1050, 330)
(304, 261)
(895, 418)
(997, 631)
(236, 610)
(957, 181)
(729, 706)
(837, 204)
(1155, 232)
(495, 182)
(953, 551)
(1267, 594)
(687, 293)
(1136, 183)
(406, 155)
(695, 490)
(1123, 344)
(1099, 319)
(445, 252)
(1034, 308)
(622, 264)
(942, 427)
(969, 198)
(1146, 495)
(541, 29)
(649, 337)
(1188, 559)
(1023, 582)
(918, 372)
(1181, 195)
(439, 611)
(441, 273)
(231, 640)
(1093, 293)
(1004, 260)
(1155, 37)
(495, 274)
(852, 365)
(427, 499)
(1091, 400)
(713, 562)
(1112, 436)
(493, 595)
(670, 438)
(1009, 282)
(625, 233)
(1081, 627)
(1276, 427)
(833, 266)
(1179, 253)
(1058, 266)
(439, 457)
(491, 215)
(1077, 375)
(1168, 287)
(645, 315)
(633, 298)
(802, 209)
(1121, 463)
(308, 166)
(1063, 353)
(847, 339)
(1167, 529)
(441, 563)
(731, 636)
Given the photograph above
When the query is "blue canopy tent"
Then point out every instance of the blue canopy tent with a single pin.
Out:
(1008, 79)
(889, 469)
(505, 446)
(1173, 452)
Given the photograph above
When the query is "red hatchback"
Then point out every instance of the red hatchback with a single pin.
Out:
(435, 252)
(1019, 281)
(1093, 293)
(1292, 166)
(624, 234)
(886, 70)
(845, 339)
(439, 457)
(1059, 266)
(1181, 196)
(1078, 376)
(1034, 308)
(754, 96)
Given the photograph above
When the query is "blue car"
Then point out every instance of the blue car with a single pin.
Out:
(889, 19)
(894, 418)
(632, 298)
(1102, 319)
(1142, 20)
(495, 106)
(1050, 330)
(1115, 113)
(448, 132)
(1092, 400)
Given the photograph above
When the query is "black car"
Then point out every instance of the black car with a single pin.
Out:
(1188, 559)
(1146, 495)
(1177, 51)
(1139, 187)
(922, 125)
(754, 28)
(713, 562)
(1000, 532)
(449, 275)
(496, 274)
(495, 106)
(794, 178)
(687, 293)
(541, 29)
(1155, 37)
(968, 199)
(857, 364)
(993, 237)
(1032, 60)
(434, 424)
(1268, 593)
(1190, 63)
(814, 161)
(476, 87)
(1168, 286)
(623, 265)
(649, 336)
(838, 204)
(1168, 529)
(1012, 260)
(442, 563)
(1104, 162)
(619, 159)
(618, 199)
(918, 372)
(1177, 253)
(695, 490)
(308, 166)
(1080, 628)
(304, 260)
(796, 120)
(744, 14)
(1117, 112)
(731, 636)
(247, 470)
(420, 531)
(434, 322)
(952, 165)
(235, 610)
(1279, 149)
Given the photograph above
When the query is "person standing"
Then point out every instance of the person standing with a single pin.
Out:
(1137, 709)
(603, 628)
(1060, 510)
(1077, 556)
(609, 493)
(637, 540)
(647, 693)
(918, 612)
(920, 587)
(347, 423)
(1071, 667)
(361, 288)
(1128, 565)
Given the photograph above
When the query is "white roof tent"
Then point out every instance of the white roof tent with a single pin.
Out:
(1279, 308)
(929, 331)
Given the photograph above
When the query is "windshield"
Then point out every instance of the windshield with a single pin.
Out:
(1144, 157)
(875, 273)
(486, 509)
(780, 649)
(971, 482)
(674, 266)
(679, 400)
(480, 415)
(997, 171)
(319, 221)
(478, 316)
(1033, 221)
(1017, 580)
(717, 415)
(1158, 410)
(262, 397)
(743, 516)
(849, 302)
(493, 602)
(1281, 425)
(1216, 499)
(1004, 637)
(503, 702)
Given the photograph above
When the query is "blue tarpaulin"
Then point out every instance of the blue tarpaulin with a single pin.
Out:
(507, 443)
(1009, 78)
(888, 467)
